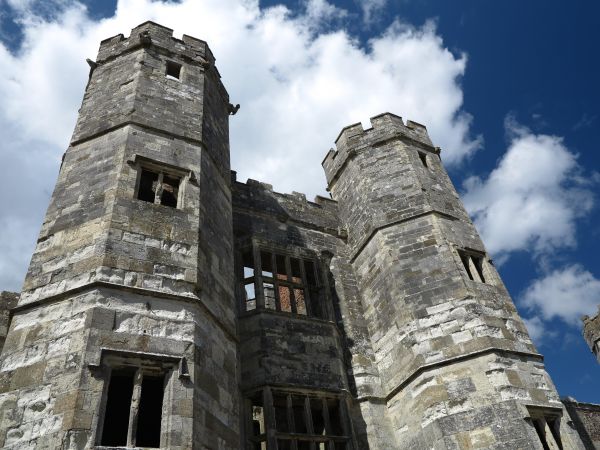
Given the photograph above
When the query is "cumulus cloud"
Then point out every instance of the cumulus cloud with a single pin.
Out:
(567, 293)
(299, 76)
(532, 199)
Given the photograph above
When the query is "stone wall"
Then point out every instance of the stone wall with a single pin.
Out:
(8, 300)
(448, 343)
(586, 420)
(591, 333)
(124, 284)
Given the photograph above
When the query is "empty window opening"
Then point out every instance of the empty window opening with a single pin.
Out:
(547, 428)
(170, 189)
(118, 405)
(423, 158)
(173, 70)
(159, 188)
(282, 283)
(478, 262)
(148, 181)
(133, 411)
(249, 285)
(298, 421)
(150, 412)
(473, 264)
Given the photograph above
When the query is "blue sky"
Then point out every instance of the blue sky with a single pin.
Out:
(508, 89)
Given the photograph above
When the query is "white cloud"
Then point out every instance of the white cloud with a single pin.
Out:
(567, 294)
(531, 199)
(372, 9)
(537, 330)
(298, 86)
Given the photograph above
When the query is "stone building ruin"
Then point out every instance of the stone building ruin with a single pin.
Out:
(169, 305)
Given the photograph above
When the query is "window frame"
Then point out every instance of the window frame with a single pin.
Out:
(173, 64)
(315, 292)
(273, 433)
(140, 365)
(474, 265)
(546, 423)
(184, 176)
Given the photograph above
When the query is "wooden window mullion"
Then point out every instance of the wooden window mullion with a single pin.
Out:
(275, 281)
(310, 428)
(258, 282)
(288, 271)
(307, 302)
(158, 191)
(270, 425)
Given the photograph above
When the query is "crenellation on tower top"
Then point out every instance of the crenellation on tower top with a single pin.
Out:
(191, 49)
(384, 127)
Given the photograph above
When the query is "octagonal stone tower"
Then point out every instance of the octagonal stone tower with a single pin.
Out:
(457, 366)
(128, 302)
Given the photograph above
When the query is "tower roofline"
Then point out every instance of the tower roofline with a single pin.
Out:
(384, 127)
(159, 36)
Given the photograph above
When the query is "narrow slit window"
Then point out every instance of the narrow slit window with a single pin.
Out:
(466, 263)
(478, 262)
(473, 264)
(173, 70)
(423, 158)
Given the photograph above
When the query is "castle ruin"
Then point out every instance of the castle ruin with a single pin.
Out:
(169, 305)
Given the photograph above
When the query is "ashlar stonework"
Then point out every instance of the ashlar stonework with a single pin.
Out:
(168, 305)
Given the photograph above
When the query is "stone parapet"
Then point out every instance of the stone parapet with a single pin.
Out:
(150, 33)
(320, 214)
(384, 127)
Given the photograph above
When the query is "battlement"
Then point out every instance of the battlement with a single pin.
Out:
(253, 195)
(153, 34)
(384, 127)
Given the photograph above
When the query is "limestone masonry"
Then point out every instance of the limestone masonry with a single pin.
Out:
(168, 305)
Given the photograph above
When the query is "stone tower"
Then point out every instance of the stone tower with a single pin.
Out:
(124, 334)
(456, 365)
(168, 305)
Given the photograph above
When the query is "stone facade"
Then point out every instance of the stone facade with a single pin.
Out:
(586, 419)
(591, 333)
(169, 305)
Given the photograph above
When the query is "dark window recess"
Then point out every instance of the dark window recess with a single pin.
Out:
(299, 421)
(146, 416)
(158, 187)
(150, 412)
(288, 284)
(118, 405)
(548, 431)
(473, 264)
(173, 70)
(148, 182)
(423, 158)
